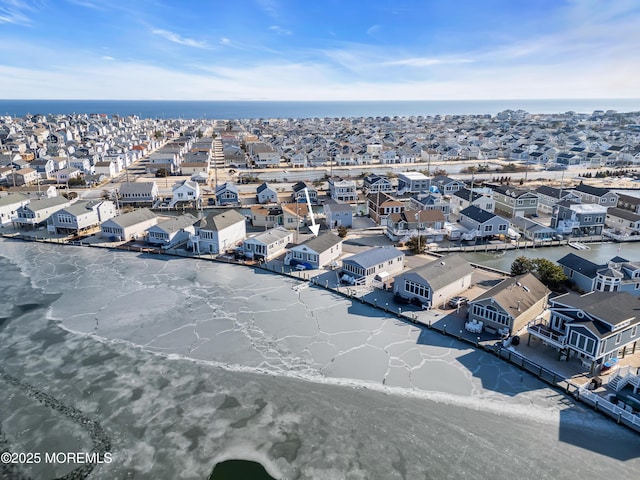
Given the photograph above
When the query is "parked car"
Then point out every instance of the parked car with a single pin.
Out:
(304, 266)
(457, 302)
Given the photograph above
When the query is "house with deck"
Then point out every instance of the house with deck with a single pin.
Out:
(577, 219)
(299, 194)
(513, 202)
(316, 251)
(81, 216)
(343, 190)
(510, 305)
(464, 198)
(435, 283)
(378, 263)
(227, 194)
(218, 232)
(173, 232)
(381, 205)
(483, 224)
(267, 245)
(600, 196)
(413, 182)
(187, 191)
(427, 224)
(617, 275)
(548, 197)
(128, 226)
(594, 327)
(532, 230)
(622, 221)
(9, 206)
(377, 183)
(266, 194)
(138, 193)
(37, 212)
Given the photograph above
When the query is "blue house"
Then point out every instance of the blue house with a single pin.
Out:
(227, 194)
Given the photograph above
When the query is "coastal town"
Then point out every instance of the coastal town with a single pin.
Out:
(378, 209)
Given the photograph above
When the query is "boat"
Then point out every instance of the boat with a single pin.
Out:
(579, 246)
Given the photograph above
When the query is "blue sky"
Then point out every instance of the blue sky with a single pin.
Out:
(319, 49)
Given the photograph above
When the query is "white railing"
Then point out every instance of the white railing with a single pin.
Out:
(609, 408)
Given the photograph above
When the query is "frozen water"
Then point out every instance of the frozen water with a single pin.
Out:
(188, 363)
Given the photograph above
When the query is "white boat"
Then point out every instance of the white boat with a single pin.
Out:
(579, 246)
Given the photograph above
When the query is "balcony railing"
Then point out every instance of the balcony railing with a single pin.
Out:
(543, 331)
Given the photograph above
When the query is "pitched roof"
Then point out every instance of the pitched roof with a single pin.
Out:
(176, 223)
(271, 235)
(374, 256)
(132, 218)
(12, 199)
(443, 271)
(611, 307)
(622, 213)
(322, 242)
(591, 190)
(516, 294)
(477, 214)
(219, 221)
(633, 200)
(43, 203)
(580, 265)
(136, 187)
(467, 194)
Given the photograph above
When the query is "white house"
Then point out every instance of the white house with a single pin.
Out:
(81, 216)
(38, 211)
(317, 251)
(172, 232)
(266, 194)
(9, 206)
(218, 232)
(186, 191)
(377, 263)
(138, 193)
(267, 245)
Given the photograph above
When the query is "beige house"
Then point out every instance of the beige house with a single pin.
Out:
(510, 305)
(129, 226)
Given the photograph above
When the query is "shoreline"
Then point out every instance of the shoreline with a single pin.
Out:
(555, 380)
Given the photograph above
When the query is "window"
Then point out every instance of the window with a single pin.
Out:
(502, 228)
(488, 228)
(634, 331)
(618, 338)
(587, 219)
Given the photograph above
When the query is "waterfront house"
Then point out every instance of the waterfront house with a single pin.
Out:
(138, 193)
(81, 216)
(594, 327)
(446, 185)
(227, 194)
(617, 275)
(377, 183)
(413, 182)
(532, 230)
(629, 202)
(128, 226)
(570, 218)
(464, 198)
(267, 245)
(317, 251)
(66, 174)
(427, 224)
(266, 194)
(514, 202)
(218, 231)
(548, 197)
(185, 191)
(436, 282)
(337, 214)
(299, 194)
(343, 190)
(378, 263)
(510, 305)
(9, 206)
(430, 201)
(172, 232)
(601, 196)
(267, 217)
(624, 222)
(381, 205)
(37, 212)
(483, 224)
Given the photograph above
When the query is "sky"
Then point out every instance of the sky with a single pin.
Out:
(319, 49)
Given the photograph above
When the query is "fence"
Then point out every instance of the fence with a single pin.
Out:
(603, 405)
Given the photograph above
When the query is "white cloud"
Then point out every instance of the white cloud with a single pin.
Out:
(279, 30)
(373, 29)
(180, 40)
(16, 12)
(107, 58)
(427, 61)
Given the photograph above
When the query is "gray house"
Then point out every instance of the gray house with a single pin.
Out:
(317, 251)
(37, 212)
(549, 196)
(267, 245)
(378, 263)
(483, 224)
(128, 226)
(532, 230)
(138, 193)
(81, 216)
(338, 214)
(601, 196)
(570, 218)
(436, 282)
(617, 275)
(299, 194)
(172, 232)
(514, 202)
(595, 327)
(377, 183)
(227, 194)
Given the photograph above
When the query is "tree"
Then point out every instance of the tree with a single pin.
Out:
(522, 265)
(342, 231)
(416, 244)
(545, 270)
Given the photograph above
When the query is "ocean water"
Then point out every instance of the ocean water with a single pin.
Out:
(184, 364)
(271, 109)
